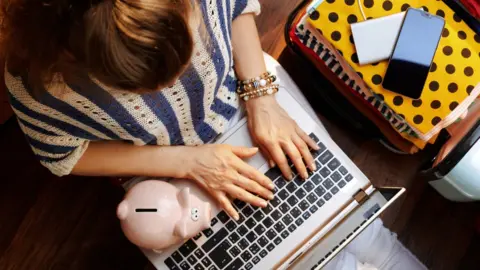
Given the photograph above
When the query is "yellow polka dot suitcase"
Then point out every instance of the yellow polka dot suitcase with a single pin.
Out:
(364, 110)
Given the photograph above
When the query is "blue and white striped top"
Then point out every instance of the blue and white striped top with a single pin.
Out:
(60, 122)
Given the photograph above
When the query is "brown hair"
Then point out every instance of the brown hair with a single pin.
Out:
(126, 44)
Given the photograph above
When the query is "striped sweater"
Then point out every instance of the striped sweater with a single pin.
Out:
(60, 122)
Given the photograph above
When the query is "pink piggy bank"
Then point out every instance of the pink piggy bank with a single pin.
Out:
(156, 214)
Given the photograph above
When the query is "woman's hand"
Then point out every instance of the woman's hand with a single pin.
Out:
(220, 170)
(279, 136)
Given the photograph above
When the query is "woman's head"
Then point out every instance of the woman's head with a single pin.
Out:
(127, 44)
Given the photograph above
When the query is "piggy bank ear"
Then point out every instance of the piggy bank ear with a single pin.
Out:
(183, 197)
(122, 210)
(180, 229)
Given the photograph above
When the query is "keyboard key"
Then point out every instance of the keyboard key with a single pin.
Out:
(280, 182)
(291, 187)
(231, 225)
(314, 137)
(279, 227)
(292, 228)
(246, 256)
(184, 265)
(336, 177)
(213, 222)
(306, 215)
(283, 194)
(192, 260)
(298, 180)
(312, 198)
(187, 248)
(325, 172)
(258, 215)
(199, 267)
(177, 257)
(267, 222)
(197, 236)
(320, 203)
(325, 157)
(334, 190)
(223, 217)
(263, 241)
(328, 184)
(251, 236)
(256, 260)
(225, 245)
(292, 200)
(342, 170)
(285, 234)
(199, 253)
(207, 232)
(276, 215)
(299, 221)
(170, 264)
(300, 193)
(254, 249)
(304, 205)
(275, 202)
(333, 164)
(242, 230)
(241, 218)
(263, 253)
(308, 186)
(319, 191)
(273, 173)
(239, 204)
(243, 244)
(206, 262)
(214, 240)
(277, 241)
(316, 179)
(271, 234)
(247, 211)
(313, 209)
(341, 184)
(267, 210)
(327, 196)
(233, 237)
(295, 212)
(235, 265)
(348, 178)
(220, 257)
(260, 229)
(251, 223)
(287, 219)
(234, 251)
(284, 207)
(248, 266)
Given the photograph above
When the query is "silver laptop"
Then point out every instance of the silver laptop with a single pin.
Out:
(306, 224)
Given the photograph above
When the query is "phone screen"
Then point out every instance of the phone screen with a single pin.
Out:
(413, 54)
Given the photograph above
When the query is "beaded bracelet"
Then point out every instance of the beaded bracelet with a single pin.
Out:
(267, 90)
(261, 81)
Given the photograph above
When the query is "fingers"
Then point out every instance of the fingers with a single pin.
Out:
(294, 154)
(309, 141)
(267, 156)
(281, 160)
(250, 172)
(305, 152)
(226, 204)
(241, 194)
(244, 152)
(253, 187)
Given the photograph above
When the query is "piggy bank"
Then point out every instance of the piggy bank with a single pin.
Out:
(156, 214)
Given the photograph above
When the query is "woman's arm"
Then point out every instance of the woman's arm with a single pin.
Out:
(271, 127)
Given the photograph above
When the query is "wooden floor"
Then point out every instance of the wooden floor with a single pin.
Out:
(70, 223)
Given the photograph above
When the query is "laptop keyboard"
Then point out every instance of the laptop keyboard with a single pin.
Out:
(244, 243)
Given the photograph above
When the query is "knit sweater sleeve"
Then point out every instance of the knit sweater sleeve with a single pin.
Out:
(245, 6)
(47, 133)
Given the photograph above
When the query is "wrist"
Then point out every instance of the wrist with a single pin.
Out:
(259, 102)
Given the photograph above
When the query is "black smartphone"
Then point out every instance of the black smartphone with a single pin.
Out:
(413, 54)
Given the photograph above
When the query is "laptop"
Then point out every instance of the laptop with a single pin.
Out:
(303, 227)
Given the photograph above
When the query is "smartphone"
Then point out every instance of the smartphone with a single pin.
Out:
(413, 54)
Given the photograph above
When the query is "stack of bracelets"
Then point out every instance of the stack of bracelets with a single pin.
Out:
(258, 87)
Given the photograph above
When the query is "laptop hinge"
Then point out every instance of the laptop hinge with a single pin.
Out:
(360, 196)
